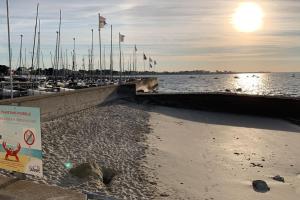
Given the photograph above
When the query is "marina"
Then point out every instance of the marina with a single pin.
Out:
(33, 77)
(48, 85)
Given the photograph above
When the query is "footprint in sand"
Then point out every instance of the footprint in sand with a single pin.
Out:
(179, 123)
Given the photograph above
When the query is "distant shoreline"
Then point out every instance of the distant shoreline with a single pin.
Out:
(208, 73)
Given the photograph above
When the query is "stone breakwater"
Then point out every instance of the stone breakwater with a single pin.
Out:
(113, 136)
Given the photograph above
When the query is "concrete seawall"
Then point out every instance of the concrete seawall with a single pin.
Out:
(244, 104)
(60, 104)
(147, 84)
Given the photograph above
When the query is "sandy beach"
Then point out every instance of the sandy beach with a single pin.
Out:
(203, 155)
(168, 153)
(112, 135)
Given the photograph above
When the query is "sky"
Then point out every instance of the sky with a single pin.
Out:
(179, 35)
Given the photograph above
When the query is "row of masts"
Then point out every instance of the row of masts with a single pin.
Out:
(60, 58)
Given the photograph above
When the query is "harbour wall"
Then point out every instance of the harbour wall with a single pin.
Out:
(63, 103)
(288, 108)
(146, 85)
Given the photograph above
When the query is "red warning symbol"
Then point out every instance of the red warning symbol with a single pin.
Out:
(29, 137)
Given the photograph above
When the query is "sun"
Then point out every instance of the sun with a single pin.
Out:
(248, 17)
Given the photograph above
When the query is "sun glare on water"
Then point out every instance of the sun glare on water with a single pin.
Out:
(248, 17)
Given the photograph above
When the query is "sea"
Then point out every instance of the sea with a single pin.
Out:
(265, 84)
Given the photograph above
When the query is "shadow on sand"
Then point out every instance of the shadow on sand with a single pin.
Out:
(221, 118)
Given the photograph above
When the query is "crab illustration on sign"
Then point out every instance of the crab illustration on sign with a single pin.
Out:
(29, 137)
(11, 152)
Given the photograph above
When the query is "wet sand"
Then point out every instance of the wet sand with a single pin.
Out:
(203, 155)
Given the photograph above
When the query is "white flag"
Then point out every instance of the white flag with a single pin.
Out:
(121, 37)
(102, 21)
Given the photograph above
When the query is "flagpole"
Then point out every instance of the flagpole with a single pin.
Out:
(130, 66)
(128, 74)
(123, 67)
(144, 62)
(89, 56)
(133, 63)
(9, 51)
(100, 48)
(104, 61)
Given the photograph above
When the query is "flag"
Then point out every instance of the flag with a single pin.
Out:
(102, 21)
(121, 37)
(150, 60)
(145, 57)
(135, 48)
(155, 62)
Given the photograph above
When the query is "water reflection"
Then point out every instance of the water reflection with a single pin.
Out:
(249, 83)
(283, 84)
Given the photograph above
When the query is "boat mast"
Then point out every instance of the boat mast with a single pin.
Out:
(111, 56)
(25, 61)
(38, 50)
(51, 59)
(55, 57)
(67, 63)
(58, 43)
(25, 58)
(89, 56)
(9, 51)
(62, 61)
(92, 55)
(120, 78)
(34, 40)
(83, 67)
(74, 55)
(21, 49)
(43, 60)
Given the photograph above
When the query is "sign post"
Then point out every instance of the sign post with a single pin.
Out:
(20, 140)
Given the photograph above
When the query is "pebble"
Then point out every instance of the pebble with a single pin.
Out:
(260, 186)
(164, 195)
(278, 178)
